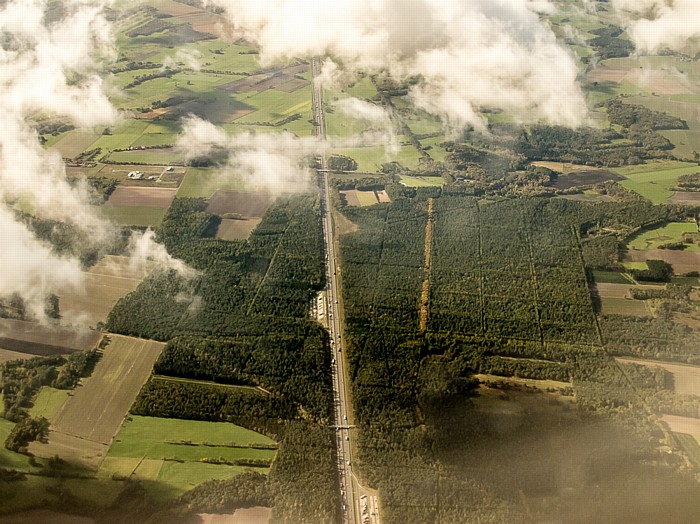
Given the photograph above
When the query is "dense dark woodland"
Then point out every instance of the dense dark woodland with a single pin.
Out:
(244, 319)
(509, 295)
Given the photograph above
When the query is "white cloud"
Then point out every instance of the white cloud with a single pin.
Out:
(470, 54)
(657, 24)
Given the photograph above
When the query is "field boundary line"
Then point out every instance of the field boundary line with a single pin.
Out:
(482, 302)
(425, 292)
(269, 267)
(183, 380)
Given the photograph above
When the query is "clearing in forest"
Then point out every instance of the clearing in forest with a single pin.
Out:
(142, 196)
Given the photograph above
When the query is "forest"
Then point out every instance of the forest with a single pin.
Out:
(244, 320)
(509, 295)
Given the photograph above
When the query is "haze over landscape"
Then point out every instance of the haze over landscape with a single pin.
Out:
(369, 261)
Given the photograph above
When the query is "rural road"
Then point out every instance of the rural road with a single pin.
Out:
(349, 488)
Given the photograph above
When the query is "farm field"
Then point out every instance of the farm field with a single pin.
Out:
(134, 216)
(357, 198)
(422, 181)
(624, 306)
(671, 232)
(607, 290)
(610, 277)
(35, 339)
(84, 427)
(182, 453)
(435, 150)
(682, 261)
(654, 179)
(245, 204)
(105, 283)
(370, 159)
(6, 354)
(148, 156)
(48, 402)
(231, 229)
(686, 377)
(687, 198)
(72, 143)
(203, 183)
(142, 197)
(688, 425)
(586, 177)
(255, 515)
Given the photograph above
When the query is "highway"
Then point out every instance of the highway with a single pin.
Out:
(342, 409)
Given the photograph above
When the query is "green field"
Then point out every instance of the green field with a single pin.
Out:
(339, 123)
(133, 215)
(48, 402)
(10, 459)
(366, 198)
(623, 306)
(273, 106)
(610, 277)
(436, 151)
(654, 179)
(203, 183)
(122, 135)
(175, 452)
(422, 181)
(149, 156)
(672, 232)
(370, 159)
(363, 89)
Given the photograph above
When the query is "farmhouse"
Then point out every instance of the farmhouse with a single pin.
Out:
(135, 175)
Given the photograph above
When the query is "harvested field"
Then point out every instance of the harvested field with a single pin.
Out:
(682, 261)
(607, 74)
(383, 197)
(688, 425)
(255, 515)
(220, 110)
(356, 198)
(45, 515)
(691, 198)
(622, 290)
(174, 8)
(563, 167)
(105, 283)
(586, 178)
(6, 354)
(349, 198)
(85, 426)
(686, 377)
(281, 79)
(244, 204)
(75, 142)
(231, 229)
(36, 340)
(142, 196)
(73, 449)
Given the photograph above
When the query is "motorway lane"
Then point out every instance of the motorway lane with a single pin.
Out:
(342, 410)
